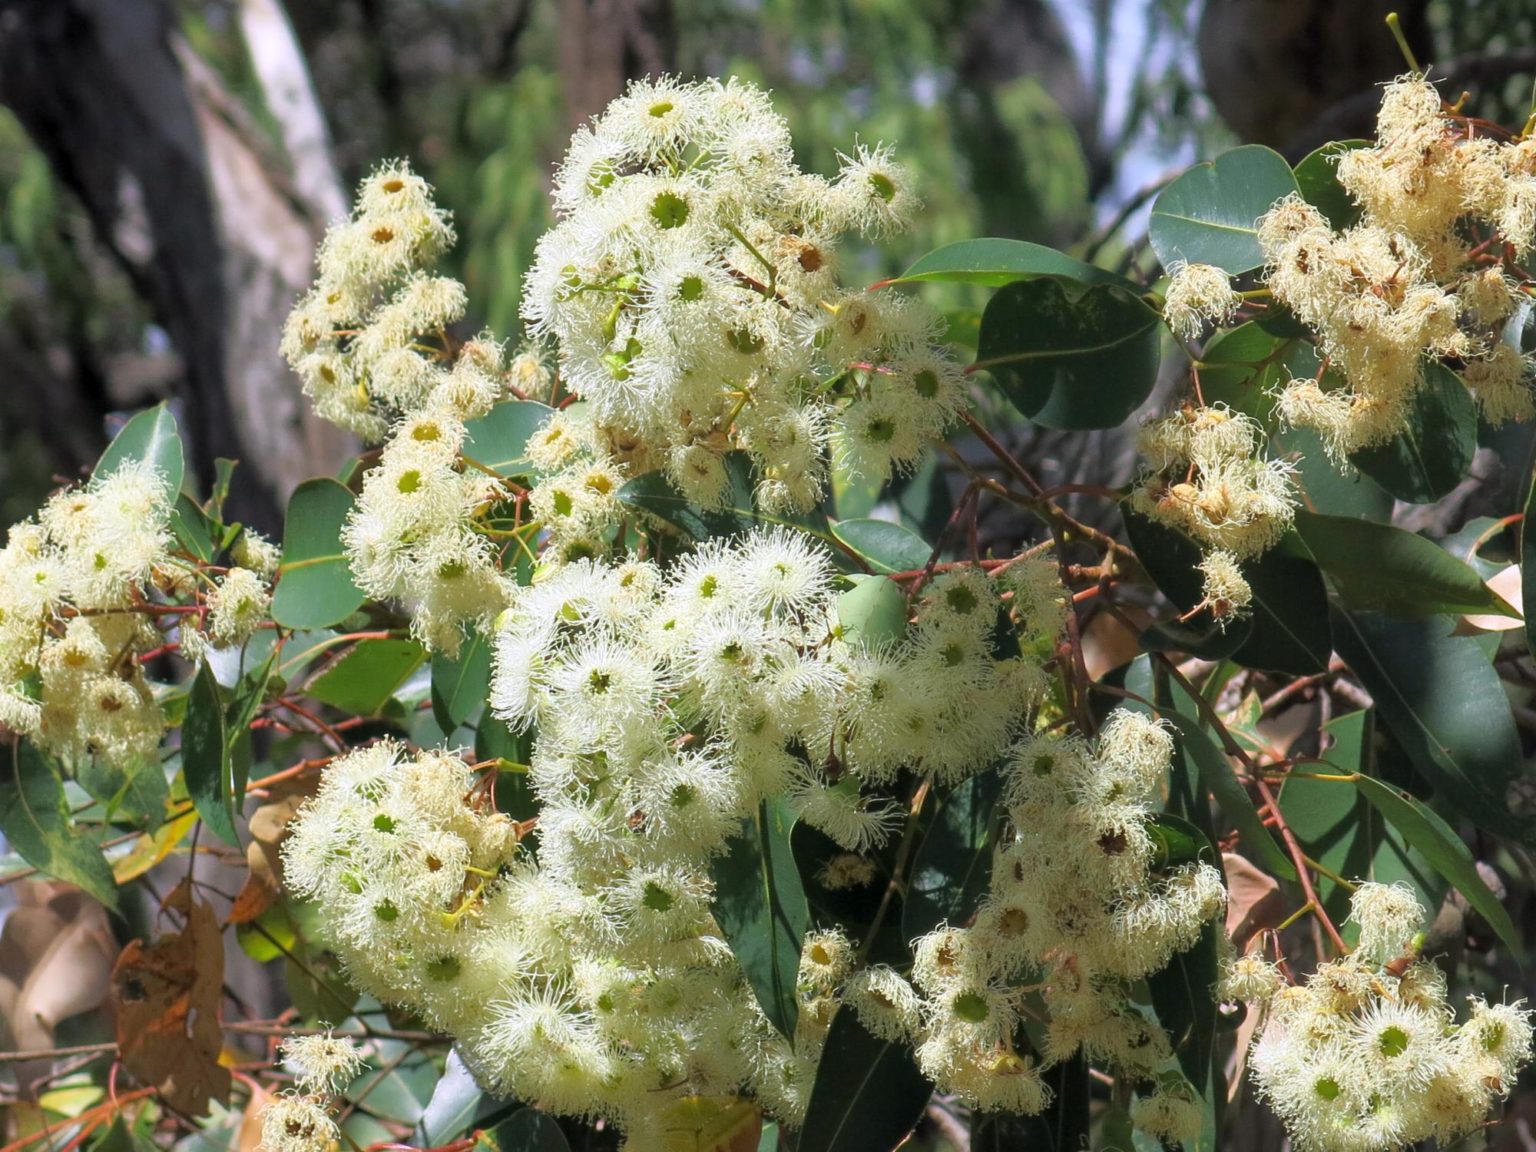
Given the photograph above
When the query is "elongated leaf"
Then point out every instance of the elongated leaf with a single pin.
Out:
(1068, 357)
(1208, 215)
(1338, 828)
(150, 436)
(885, 546)
(760, 906)
(1431, 835)
(452, 1108)
(1376, 566)
(205, 757)
(499, 439)
(34, 816)
(954, 860)
(315, 588)
(996, 262)
(365, 679)
(461, 685)
(1219, 779)
(1528, 565)
(1445, 705)
(1432, 455)
(868, 1094)
(873, 612)
(133, 794)
(1184, 996)
(193, 530)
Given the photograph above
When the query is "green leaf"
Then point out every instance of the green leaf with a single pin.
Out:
(1318, 178)
(1067, 357)
(653, 493)
(314, 588)
(461, 685)
(134, 795)
(873, 612)
(953, 861)
(1431, 835)
(996, 262)
(1339, 829)
(499, 439)
(365, 679)
(1528, 565)
(868, 1094)
(527, 1130)
(1376, 566)
(193, 530)
(1431, 456)
(205, 758)
(1444, 703)
(886, 547)
(1062, 1127)
(1219, 779)
(760, 906)
(150, 436)
(1208, 215)
(1325, 488)
(452, 1108)
(1176, 841)
(34, 816)
(1183, 995)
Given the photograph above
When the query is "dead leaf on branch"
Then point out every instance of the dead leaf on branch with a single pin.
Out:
(267, 825)
(167, 996)
(1254, 900)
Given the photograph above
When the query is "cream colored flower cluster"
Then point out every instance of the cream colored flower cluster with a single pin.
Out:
(300, 1120)
(1207, 476)
(70, 631)
(691, 284)
(1426, 272)
(1366, 1056)
(1081, 905)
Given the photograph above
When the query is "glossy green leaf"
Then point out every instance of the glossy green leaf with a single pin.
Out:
(1324, 487)
(150, 436)
(1184, 996)
(133, 794)
(365, 679)
(995, 262)
(1444, 703)
(760, 907)
(499, 439)
(1220, 780)
(34, 817)
(953, 862)
(192, 528)
(1068, 357)
(1432, 455)
(205, 761)
(1376, 566)
(1209, 214)
(314, 587)
(868, 1094)
(1317, 176)
(462, 684)
(1337, 827)
(886, 547)
(1431, 835)
(452, 1108)
(873, 612)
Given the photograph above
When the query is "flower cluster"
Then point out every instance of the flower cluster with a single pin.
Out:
(1198, 294)
(1366, 1055)
(691, 284)
(1081, 902)
(300, 1120)
(1422, 273)
(70, 635)
(1207, 476)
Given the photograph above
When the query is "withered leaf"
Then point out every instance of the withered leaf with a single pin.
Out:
(167, 996)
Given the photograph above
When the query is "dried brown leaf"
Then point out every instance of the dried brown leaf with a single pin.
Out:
(1254, 902)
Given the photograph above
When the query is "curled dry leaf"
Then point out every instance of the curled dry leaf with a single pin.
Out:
(1254, 902)
(265, 880)
(167, 997)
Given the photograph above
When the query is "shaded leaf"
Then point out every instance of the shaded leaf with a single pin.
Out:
(873, 612)
(34, 816)
(1062, 1127)
(653, 493)
(1376, 566)
(760, 907)
(1184, 997)
(713, 1124)
(205, 760)
(953, 861)
(1208, 215)
(314, 587)
(1444, 703)
(526, 1130)
(452, 1108)
(1317, 176)
(1068, 357)
(1432, 455)
(499, 439)
(868, 1095)
(462, 684)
